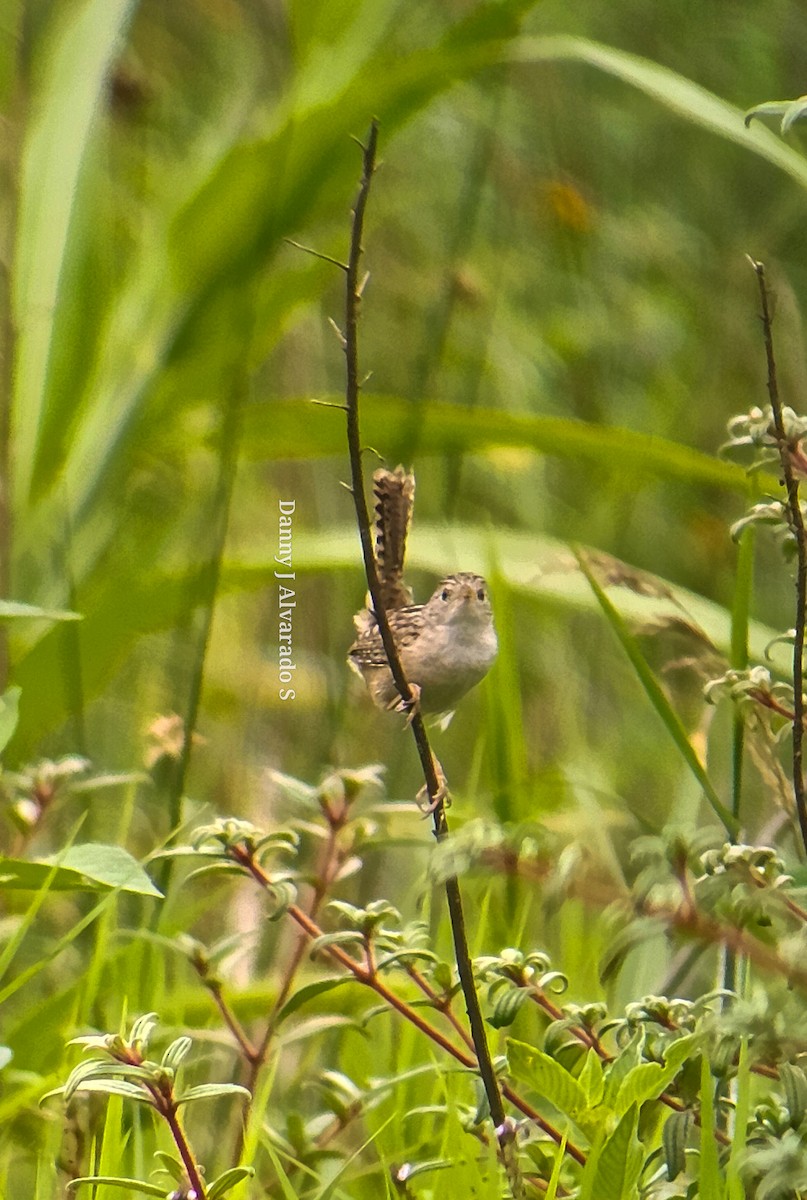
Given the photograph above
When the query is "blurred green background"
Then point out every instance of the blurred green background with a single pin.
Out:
(559, 321)
(557, 236)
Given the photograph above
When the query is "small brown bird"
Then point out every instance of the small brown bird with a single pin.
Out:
(446, 645)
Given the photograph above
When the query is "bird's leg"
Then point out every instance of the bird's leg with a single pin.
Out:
(410, 707)
(426, 803)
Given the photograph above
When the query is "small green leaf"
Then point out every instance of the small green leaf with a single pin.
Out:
(176, 1052)
(772, 108)
(129, 1185)
(794, 1086)
(113, 1087)
(227, 1180)
(13, 610)
(310, 992)
(674, 1141)
(795, 111)
(142, 1029)
(508, 1005)
(591, 1079)
(171, 1165)
(209, 1091)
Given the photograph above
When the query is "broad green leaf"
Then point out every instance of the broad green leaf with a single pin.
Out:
(13, 12)
(620, 1161)
(110, 866)
(629, 1057)
(332, 41)
(547, 1077)
(588, 1179)
(19, 934)
(88, 867)
(648, 1080)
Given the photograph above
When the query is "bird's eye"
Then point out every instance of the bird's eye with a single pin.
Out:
(480, 595)
(444, 594)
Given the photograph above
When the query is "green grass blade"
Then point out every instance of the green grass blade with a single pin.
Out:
(554, 1179)
(17, 938)
(711, 1185)
(655, 694)
(687, 99)
(742, 1112)
(295, 428)
(77, 56)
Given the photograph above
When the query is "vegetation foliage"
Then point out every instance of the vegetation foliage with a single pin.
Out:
(225, 959)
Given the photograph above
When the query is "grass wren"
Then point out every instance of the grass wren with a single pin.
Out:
(446, 645)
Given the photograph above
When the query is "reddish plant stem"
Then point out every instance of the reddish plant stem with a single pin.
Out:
(326, 871)
(441, 1003)
(169, 1112)
(363, 974)
(248, 1051)
(166, 1106)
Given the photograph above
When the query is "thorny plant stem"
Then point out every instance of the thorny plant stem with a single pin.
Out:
(363, 974)
(353, 290)
(796, 522)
